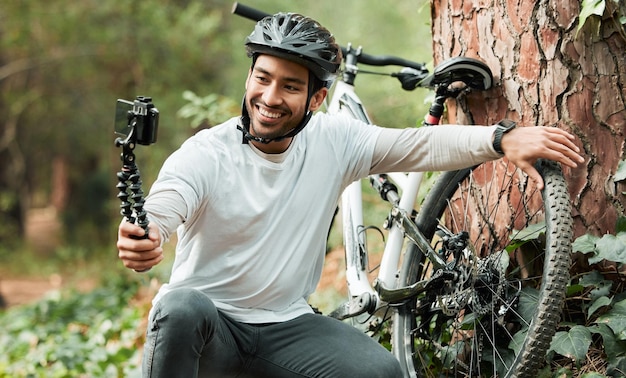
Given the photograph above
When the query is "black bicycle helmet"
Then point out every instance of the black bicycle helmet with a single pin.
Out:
(301, 40)
(297, 38)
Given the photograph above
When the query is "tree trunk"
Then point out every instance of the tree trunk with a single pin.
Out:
(547, 74)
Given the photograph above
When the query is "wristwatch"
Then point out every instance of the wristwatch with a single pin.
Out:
(504, 127)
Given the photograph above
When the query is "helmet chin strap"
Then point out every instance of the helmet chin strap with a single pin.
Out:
(244, 124)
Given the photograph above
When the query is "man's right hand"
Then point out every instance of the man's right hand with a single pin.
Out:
(138, 254)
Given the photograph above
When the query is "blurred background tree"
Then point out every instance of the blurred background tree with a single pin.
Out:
(64, 63)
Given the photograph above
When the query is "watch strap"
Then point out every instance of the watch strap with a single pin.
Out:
(504, 127)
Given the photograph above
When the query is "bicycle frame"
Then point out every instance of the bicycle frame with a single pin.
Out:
(364, 295)
(345, 101)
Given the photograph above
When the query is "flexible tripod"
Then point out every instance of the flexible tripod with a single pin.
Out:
(136, 123)
(129, 186)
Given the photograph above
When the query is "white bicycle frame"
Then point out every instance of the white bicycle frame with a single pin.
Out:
(344, 100)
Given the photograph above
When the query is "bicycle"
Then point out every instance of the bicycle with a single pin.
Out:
(473, 282)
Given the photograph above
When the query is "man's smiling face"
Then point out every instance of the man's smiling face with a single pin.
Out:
(276, 96)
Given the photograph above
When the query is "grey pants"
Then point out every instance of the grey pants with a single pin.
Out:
(189, 337)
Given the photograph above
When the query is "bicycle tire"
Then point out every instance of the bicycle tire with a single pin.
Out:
(474, 339)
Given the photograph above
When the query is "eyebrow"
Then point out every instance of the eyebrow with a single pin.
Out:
(287, 79)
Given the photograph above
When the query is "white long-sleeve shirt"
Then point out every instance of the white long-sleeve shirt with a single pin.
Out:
(252, 227)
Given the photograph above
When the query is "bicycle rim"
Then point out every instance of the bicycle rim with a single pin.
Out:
(499, 318)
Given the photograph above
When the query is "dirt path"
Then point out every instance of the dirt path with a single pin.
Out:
(27, 290)
(42, 234)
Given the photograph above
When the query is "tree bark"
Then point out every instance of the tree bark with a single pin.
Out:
(547, 74)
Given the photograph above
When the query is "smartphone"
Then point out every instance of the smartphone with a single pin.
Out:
(123, 114)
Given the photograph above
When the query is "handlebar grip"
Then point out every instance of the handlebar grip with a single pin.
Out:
(248, 12)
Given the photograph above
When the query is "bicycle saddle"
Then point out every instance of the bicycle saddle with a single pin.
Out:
(474, 73)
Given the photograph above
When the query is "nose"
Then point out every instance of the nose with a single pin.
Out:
(271, 95)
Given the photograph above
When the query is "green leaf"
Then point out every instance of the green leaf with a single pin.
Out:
(615, 318)
(528, 303)
(573, 344)
(612, 346)
(610, 248)
(528, 234)
(593, 375)
(616, 367)
(620, 174)
(595, 279)
(597, 304)
(517, 341)
(585, 244)
(574, 289)
(531, 232)
(592, 278)
(589, 8)
(620, 225)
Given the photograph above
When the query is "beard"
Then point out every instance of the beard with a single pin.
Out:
(271, 130)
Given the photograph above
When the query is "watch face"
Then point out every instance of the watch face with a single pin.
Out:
(507, 125)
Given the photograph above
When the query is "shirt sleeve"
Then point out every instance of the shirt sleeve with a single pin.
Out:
(179, 188)
(433, 148)
(167, 210)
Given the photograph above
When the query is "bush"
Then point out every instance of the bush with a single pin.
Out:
(592, 340)
(73, 334)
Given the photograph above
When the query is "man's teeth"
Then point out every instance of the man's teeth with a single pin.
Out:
(268, 114)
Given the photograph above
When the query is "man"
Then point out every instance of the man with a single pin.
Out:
(252, 217)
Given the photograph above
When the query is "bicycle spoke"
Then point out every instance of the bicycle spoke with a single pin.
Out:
(489, 316)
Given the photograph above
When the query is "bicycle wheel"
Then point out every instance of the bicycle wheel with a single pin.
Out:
(498, 318)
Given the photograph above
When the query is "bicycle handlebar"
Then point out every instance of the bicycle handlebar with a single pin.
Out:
(248, 12)
(371, 60)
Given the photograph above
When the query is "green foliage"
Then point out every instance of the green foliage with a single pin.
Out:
(620, 175)
(594, 12)
(64, 63)
(74, 334)
(596, 306)
(573, 344)
(206, 111)
(62, 66)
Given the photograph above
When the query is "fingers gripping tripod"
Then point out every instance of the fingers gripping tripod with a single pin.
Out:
(135, 122)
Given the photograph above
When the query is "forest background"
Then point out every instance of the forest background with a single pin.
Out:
(73, 310)
(63, 64)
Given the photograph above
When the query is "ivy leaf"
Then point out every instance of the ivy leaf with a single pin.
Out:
(597, 304)
(585, 244)
(518, 340)
(612, 346)
(531, 232)
(590, 8)
(595, 279)
(592, 278)
(610, 248)
(620, 174)
(616, 367)
(528, 234)
(615, 318)
(528, 303)
(593, 374)
(573, 344)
